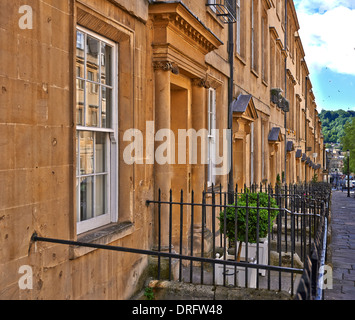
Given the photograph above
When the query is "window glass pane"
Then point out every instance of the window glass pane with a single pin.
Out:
(92, 58)
(77, 154)
(100, 195)
(100, 152)
(78, 207)
(106, 105)
(86, 152)
(86, 198)
(106, 64)
(92, 104)
(80, 101)
(80, 39)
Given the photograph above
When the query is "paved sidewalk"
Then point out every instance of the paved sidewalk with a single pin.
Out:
(341, 249)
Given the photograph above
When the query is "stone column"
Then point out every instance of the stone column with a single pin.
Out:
(198, 170)
(198, 121)
(267, 175)
(257, 152)
(162, 171)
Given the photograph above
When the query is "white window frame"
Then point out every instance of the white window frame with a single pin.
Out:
(238, 27)
(263, 48)
(211, 114)
(253, 37)
(111, 145)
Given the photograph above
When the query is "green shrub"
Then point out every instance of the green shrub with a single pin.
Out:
(252, 217)
(149, 293)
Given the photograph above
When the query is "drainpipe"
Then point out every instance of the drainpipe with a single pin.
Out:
(230, 111)
(285, 122)
(305, 123)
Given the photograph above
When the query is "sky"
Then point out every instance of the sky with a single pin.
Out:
(327, 30)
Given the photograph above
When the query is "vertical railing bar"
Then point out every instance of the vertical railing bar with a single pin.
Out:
(269, 240)
(304, 229)
(318, 211)
(292, 237)
(277, 200)
(225, 238)
(213, 234)
(181, 231)
(279, 231)
(220, 202)
(286, 206)
(301, 224)
(203, 231)
(257, 238)
(170, 228)
(192, 235)
(246, 237)
(159, 232)
(297, 222)
(236, 235)
(310, 227)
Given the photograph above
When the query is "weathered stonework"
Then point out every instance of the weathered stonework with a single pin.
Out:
(171, 56)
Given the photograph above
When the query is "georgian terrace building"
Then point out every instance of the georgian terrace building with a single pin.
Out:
(78, 75)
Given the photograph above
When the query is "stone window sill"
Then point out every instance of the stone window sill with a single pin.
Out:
(254, 73)
(240, 58)
(103, 236)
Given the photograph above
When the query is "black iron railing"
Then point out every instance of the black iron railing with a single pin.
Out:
(198, 238)
(311, 283)
(300, 212)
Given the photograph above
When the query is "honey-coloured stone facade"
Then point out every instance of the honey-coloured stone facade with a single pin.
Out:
(173, 70)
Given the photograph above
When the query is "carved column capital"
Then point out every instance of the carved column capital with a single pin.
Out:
(166, 66)
(203, 83)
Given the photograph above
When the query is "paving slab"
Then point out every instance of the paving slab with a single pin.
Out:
(341, 247)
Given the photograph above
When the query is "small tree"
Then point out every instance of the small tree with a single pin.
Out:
(257, 204)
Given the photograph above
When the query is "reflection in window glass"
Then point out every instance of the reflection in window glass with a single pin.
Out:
(80, 39)
(92, 175)
(100, 195)
(100, 152)
(94, 81)
(86, 145)
(86, 198)
(106, 105)
(80, 101)
(92, 105)
(92, 56)
(106, 52)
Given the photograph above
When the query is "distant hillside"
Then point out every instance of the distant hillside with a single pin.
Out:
(333, 123)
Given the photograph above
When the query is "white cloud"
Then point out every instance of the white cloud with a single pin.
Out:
(327, 33)
(322, 6)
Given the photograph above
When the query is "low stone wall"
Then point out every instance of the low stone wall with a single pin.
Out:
(171, 290)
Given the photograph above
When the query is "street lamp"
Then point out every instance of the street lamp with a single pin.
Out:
(348, 153)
